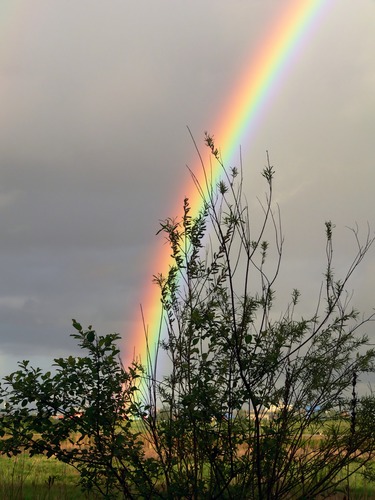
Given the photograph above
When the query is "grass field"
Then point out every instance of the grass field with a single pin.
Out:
(37, 478)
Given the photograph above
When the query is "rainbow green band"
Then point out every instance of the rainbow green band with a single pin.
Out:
(239, 120)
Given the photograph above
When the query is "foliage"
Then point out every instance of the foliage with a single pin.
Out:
(230, 355)
(82, 415)
(257, 404)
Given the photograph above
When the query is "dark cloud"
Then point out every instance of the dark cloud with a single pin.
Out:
(95, 99)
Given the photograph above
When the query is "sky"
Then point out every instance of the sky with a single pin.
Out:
(95, 100)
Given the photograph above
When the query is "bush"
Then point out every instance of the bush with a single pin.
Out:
(230, 354)
(82, 415)
(255, 404)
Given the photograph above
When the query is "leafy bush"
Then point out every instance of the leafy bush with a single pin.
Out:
(256, 404)
(93, 398)
(230, 354)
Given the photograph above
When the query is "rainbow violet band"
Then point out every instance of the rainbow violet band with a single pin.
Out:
(253, 91)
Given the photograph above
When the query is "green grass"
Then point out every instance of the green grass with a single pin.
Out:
(38, 478)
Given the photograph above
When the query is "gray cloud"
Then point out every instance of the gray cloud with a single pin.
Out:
(93, 142)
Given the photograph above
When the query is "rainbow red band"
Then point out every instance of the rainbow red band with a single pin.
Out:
(239, 119)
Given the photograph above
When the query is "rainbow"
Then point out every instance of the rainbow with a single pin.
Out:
(238, 120)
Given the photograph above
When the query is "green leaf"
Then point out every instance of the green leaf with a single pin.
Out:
(76, 325)
(248, 338)
(90, 336)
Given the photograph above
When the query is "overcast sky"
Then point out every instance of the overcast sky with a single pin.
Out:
(95, 99)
